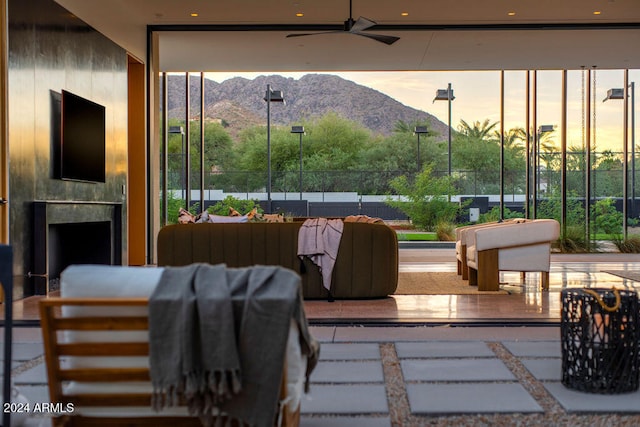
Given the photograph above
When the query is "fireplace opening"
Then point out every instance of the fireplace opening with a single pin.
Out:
(78, 243)
(69, 232)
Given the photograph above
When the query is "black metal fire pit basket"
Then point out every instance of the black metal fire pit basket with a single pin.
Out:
(600, 340)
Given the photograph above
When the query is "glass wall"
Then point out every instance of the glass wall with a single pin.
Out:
(502, 134)
(516, 141)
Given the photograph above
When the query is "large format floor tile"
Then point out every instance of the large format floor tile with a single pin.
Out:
(345, 399)
(24, 351)
(359, 421)
(455, 370)
(534, 349)
(544, 369)
(440, 349)
(347, 372)
(470, 398)
(330, 351)
(577, 401)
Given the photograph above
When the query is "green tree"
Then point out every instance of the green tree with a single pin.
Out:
(477, 131)
(217, 152)
(552, 206)
(514, 158)
(476, 150)
(426, 199)
(609, 175)
(332, 143)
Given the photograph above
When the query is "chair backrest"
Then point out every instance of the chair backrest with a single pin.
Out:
(515, 234)
(463, 232)
(125, 384)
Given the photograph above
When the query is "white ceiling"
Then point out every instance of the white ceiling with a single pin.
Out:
(552, 34)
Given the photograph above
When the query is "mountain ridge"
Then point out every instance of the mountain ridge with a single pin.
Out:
(239, 103)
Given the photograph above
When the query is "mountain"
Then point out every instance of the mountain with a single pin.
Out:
(239, 102)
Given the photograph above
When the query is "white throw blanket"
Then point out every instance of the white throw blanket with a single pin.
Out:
(319, 239)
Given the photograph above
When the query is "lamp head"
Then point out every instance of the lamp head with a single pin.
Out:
(443, 95)
(274, 96)
(546, 128)
(617, 93)
(297, 129)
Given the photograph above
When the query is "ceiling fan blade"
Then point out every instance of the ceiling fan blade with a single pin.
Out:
(389, 40)
(356, 27)
(313, 34)
(361, 24)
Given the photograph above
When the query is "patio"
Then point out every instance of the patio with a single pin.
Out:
(430, 360)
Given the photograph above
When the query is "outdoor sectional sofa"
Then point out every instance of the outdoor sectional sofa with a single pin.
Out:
(366, 264)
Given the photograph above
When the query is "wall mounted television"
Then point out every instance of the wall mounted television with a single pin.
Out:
(82, 152)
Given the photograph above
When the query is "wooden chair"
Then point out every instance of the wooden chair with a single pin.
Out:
(90, 395)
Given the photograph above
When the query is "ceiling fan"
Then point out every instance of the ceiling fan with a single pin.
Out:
(356, 27)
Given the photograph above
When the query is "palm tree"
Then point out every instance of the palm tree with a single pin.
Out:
(479, 131)
(514, 140)
(408, 127)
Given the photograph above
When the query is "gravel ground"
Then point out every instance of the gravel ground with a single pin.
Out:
(554, 415)
(400, 413)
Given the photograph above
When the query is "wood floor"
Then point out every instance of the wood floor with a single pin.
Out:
(526, 303)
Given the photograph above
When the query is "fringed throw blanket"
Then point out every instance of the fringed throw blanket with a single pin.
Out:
(217, 339)
(319, 239)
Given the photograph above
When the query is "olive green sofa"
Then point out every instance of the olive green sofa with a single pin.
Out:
(366, 266)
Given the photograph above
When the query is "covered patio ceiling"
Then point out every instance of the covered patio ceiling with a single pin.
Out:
(250, 35)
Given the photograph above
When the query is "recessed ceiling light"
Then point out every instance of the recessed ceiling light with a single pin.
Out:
(511, 13)
(404, 14)
(194, 14)
(597, 12)
(299, 14)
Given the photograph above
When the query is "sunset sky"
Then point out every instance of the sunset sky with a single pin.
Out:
(477, 97)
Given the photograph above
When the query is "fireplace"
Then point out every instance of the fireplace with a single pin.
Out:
(72, 232)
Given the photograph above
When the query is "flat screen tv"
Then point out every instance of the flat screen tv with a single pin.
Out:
(82, 153)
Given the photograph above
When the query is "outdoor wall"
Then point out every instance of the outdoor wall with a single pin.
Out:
(51, 50)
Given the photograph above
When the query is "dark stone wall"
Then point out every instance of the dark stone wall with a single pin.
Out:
(51, 50)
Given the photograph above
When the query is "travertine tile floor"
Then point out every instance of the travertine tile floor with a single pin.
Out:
(438, 360)
(526, 303)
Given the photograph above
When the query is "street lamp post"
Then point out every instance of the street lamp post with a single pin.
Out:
(270, 96)
(420, 130)
(446, 95)
(618, 93)
(300, 131)
(180, 130)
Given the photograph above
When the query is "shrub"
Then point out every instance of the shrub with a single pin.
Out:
(572, 241)
(242, 206)
(427, 199)
(630, 245)
(446, 231)
(494, 215)
(607, 218)
(551, 208)
(173, 207)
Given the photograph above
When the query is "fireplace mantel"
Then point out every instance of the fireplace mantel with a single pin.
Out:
(57, 212)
